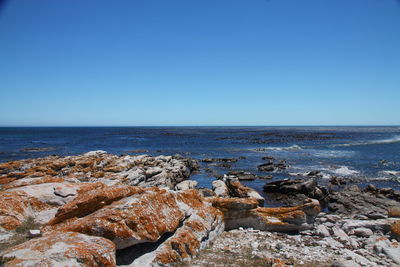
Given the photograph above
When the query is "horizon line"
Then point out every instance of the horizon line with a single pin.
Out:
(143, 126)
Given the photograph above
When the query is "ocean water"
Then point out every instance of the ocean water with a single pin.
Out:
(335, 151)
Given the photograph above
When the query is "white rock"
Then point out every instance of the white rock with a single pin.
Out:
(361, 232)
(34, 233)
(185, 185)
(322, 231)
(390, 249)
(95, 153)
(220, 188)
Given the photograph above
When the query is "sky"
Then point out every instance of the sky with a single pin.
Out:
(199, 62)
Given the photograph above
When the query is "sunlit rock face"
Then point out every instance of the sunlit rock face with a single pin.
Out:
(62, 249)
(244, 212)
(91, 212)
(143, 170)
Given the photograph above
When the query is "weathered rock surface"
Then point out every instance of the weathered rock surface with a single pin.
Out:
(61, 249)
(140, 170)
(186, 185)
(143, 216)
(244, 212)
(243, 175)
(16, 207)
(308, 188)
(395, 230)
(236, 189)
(220, 188)
(272, 165)
(353, 200)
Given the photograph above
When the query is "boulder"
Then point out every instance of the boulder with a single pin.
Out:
(353, 200)
(236, 189)
(61, 249)
(394, 212)
(361, 232)
(390, 249)
(16, 207)
(220, 189)
(180, 223)
(322, 231)
(92, 201)
(243, 175)
(186, 185)
(382, 225)
(395, 230)
(244, 212)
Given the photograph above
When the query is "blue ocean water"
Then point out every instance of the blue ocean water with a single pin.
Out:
(335, 151)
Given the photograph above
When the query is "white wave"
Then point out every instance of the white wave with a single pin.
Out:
(394, 139)
(332, 153)
(278, 148)
(391, 173)
(323, 174)
(345, 171)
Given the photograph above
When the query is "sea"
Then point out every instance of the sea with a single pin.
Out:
(369, 154)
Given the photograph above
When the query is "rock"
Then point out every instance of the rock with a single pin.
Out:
(95, 153)
(236, 189)
(390, 249)
(143, 170)
(206, 192)
(220, 188)
(361, 232)
(34, 233)
(375, 215)
(32, 181)
(394, 212)
(297, 187)
(314, 174)
(242, 175)
(344, 263)
(147, 217)
(209, 160)
(363, 261)
(382, 225)
(266, 167)
(322, 231)
(272, 165)
(37, 149)
(16, 207)
(185, 185)
(343, 237)
(243, 212)
(395, 230)
(61, 249)
(92, 201)
(352, 200)
(333, 243)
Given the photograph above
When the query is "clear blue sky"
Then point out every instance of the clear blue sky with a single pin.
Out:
(199, 62)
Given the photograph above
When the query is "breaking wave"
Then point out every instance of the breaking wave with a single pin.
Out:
(394, 139)
(277, 148)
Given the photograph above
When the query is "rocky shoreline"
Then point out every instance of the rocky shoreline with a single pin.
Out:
(98, 209)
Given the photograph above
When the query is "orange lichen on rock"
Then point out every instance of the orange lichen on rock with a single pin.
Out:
(6, 180)
(88, 201)
(181, 246)
(243, 212)
(31, 181)
(62, 249)
(394, 211)
(395, 230)
(234, 203)
(16, 207)
(132, 220)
